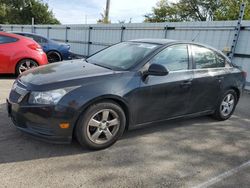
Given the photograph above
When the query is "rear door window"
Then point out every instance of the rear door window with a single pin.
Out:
(221, 61)
(206, 58)
(35, 38)
(44, 40)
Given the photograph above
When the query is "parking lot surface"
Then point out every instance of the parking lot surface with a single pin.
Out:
(199, 152)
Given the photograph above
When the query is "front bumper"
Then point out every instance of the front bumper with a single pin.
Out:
(42, 122)
(67, 56)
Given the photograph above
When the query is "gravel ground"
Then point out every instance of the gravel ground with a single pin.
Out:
(199, 152)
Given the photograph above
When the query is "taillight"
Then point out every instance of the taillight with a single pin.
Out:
(35, 47)
(244, 74)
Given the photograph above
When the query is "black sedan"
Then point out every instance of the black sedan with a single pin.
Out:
(122, 87)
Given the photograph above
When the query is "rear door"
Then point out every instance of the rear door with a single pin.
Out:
(163, 97)
(209, 72)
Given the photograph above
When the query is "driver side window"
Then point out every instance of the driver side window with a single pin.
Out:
(174, 58)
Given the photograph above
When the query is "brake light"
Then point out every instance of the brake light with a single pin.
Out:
(244, 74)
(35, 47)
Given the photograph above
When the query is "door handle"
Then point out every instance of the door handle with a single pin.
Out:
(219, 78)
(186, 84)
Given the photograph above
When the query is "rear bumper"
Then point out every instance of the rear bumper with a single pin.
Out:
(42, 60)
(39, 123)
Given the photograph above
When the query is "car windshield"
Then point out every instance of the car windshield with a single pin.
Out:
(122, 56)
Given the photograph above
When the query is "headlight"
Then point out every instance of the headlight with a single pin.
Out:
(48, 97)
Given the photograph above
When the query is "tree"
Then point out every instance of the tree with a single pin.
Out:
(196, 10)
(229, 10)
(21, 12)
(105, 15)
(103, 18)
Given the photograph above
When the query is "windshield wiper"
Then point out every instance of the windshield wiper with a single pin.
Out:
(102, 66)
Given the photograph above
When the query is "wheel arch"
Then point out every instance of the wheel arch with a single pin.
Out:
(237, 92)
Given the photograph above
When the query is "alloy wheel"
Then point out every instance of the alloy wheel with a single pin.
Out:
(26, 65)
(227, 105)
(103, 126)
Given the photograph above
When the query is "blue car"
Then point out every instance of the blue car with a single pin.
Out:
(55, 51)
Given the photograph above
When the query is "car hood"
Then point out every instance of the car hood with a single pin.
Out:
(63, 72)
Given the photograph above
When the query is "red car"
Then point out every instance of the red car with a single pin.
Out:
(18, 54)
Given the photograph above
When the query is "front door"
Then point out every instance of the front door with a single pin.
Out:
(164, 97)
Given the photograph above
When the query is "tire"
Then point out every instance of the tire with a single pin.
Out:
(101, 125)
(25, 65)
(54, 56)
(226, 106)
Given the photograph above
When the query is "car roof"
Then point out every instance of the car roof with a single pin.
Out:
(12, 35)
(28, 33)
(169, 41)
(155, 41)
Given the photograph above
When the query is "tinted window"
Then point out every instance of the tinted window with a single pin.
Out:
(206, 58)
(26, 35)
(221, 61)
(123, 55)
(173, 58)
(35, 38)
(5, 39)
(44, 40)
(38, 39)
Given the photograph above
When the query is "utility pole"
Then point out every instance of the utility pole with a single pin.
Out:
(106, 18)
(33, 24)
(86, 19)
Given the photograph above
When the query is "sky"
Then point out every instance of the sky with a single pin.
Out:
(76, 11)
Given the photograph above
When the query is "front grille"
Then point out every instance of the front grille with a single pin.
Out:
(14, 96)
(18, 92)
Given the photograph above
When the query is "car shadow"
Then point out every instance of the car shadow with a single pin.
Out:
(7, 76)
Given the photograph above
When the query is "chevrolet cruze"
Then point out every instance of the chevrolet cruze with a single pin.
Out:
(122, 87)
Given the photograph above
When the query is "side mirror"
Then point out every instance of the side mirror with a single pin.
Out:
(156, 70)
